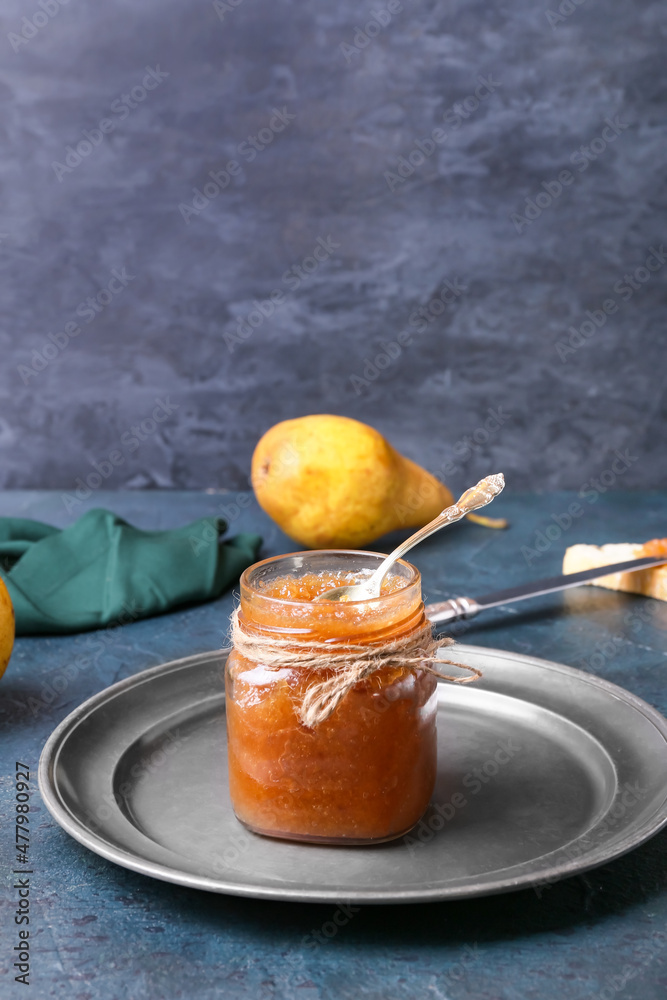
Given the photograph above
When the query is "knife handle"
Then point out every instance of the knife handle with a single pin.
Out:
(457, 607)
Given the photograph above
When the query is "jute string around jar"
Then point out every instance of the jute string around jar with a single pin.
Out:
(351, 662)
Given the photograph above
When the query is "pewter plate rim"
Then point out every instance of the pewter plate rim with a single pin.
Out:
(140, 861)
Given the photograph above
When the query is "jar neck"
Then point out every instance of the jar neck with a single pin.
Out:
(277, 598)
(380, 630)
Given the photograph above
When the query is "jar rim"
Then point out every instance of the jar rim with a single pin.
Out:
(413, 575)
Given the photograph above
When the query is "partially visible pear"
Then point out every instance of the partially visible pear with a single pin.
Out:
(333, 482)
(6, 627)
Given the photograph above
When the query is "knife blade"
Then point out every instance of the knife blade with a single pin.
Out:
(466, 607)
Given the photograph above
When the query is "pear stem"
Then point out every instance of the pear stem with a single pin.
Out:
(488, 522)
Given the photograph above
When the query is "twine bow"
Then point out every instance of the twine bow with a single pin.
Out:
(351, 662)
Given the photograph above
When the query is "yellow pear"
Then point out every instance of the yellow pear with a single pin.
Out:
(333, 482)
(6, 627)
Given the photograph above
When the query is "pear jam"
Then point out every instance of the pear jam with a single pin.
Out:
(365, 773)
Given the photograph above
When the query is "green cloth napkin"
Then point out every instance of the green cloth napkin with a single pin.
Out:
(102, 571)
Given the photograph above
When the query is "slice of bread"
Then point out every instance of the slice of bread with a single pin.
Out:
(650, 582)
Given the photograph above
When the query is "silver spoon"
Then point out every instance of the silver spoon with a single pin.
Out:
(474, 498)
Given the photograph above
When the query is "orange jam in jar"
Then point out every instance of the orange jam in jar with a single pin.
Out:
(364, 774)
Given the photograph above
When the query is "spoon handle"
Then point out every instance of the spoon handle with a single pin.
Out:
(474, 498)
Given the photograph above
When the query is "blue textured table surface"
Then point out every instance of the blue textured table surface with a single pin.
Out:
(99, 932)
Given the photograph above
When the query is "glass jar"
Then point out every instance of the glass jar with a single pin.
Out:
(366, 773)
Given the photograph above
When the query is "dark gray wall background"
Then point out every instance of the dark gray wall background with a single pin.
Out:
(163, 336)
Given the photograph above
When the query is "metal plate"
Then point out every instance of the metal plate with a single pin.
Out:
(544, 771)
